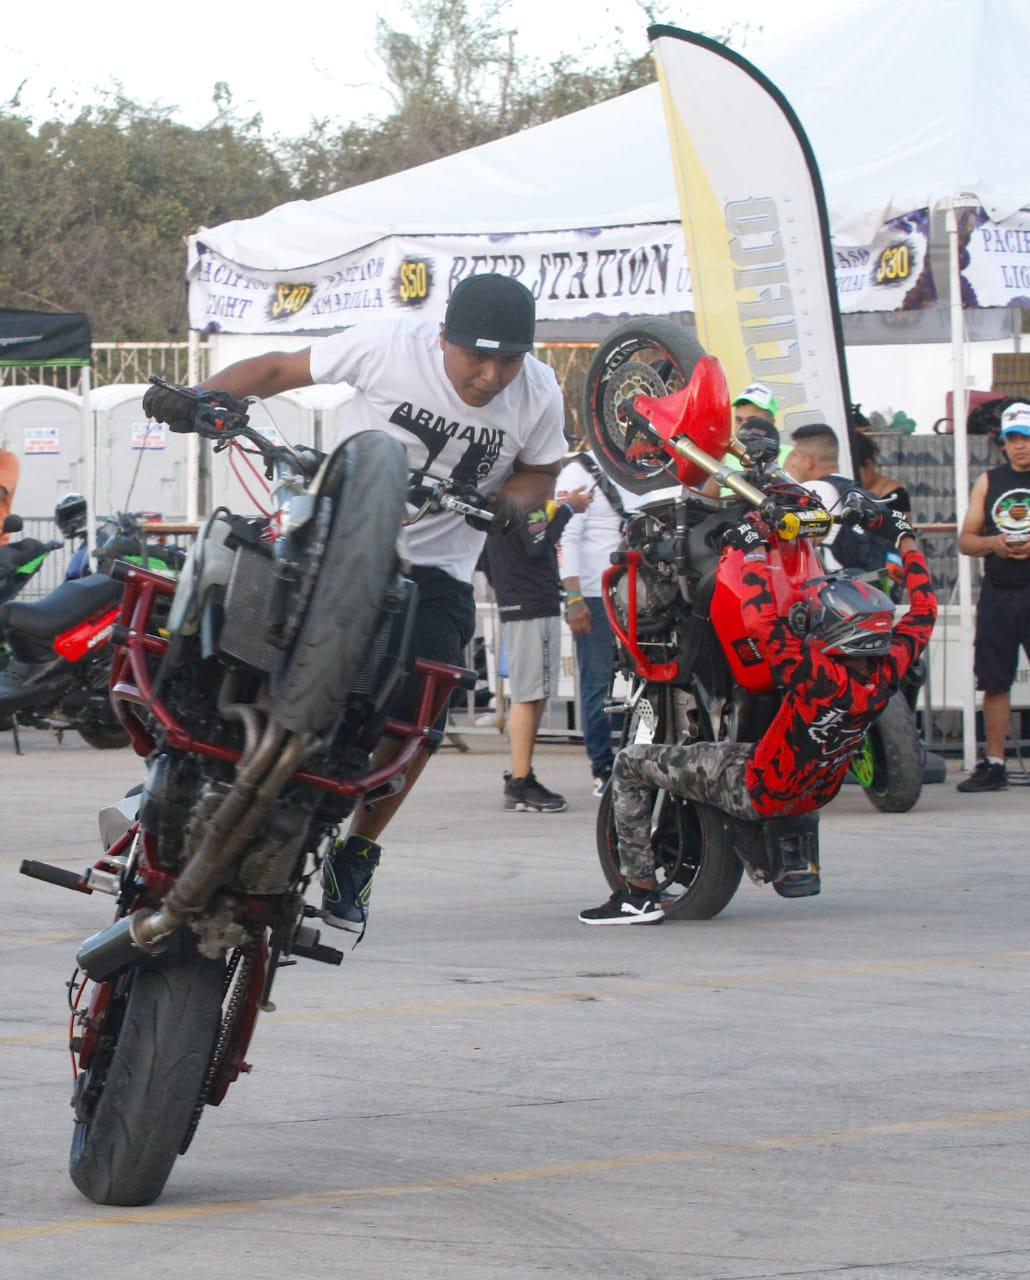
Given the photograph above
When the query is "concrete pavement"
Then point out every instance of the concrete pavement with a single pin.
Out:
(488, 1089)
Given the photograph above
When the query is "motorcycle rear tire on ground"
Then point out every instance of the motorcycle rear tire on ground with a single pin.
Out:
(718, 870)
(125, 1151)
(650, 356)
(104, 737)
(368, 485)
(894, 760)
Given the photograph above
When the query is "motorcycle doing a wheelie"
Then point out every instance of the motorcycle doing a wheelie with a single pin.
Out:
(657, 414)
(257, 688)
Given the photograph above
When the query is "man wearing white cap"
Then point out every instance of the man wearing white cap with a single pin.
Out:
(755, 401)
(997, 527)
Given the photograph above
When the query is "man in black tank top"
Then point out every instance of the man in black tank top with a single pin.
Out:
(997, 527)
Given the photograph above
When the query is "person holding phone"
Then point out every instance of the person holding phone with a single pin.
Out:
(997, 527)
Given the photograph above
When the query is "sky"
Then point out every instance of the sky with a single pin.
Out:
(321, 64)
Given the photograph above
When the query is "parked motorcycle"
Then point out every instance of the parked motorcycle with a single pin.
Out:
(257, 688)
(656, 410)
(58, 654)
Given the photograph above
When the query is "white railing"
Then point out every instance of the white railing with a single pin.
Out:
(115, 362)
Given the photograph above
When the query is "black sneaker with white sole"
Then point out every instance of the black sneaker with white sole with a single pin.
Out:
(527, 795)
(628, 905)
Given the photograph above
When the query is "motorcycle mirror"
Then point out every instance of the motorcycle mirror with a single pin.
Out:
(13, 524)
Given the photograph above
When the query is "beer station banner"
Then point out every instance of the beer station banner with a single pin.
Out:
(757, 232)
(634, 270)
(623, 271)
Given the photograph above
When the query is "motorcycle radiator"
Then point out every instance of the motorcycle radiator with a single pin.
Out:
(245, 629)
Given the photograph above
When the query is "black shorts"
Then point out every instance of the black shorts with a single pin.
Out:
(1002, 625)
(445, 622)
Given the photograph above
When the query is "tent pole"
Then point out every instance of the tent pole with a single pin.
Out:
(89, 441)
(961, 442)
(192, 441)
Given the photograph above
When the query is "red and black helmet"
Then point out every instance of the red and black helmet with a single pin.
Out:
(849, 616)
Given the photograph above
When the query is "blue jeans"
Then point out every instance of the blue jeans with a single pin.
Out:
(594, 658)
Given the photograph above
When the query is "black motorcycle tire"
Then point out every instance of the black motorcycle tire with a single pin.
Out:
(719, 869)
(896, 757)
(684, 826)
(651, 356)
(104, 737)
(368, 484)
(123, 1153)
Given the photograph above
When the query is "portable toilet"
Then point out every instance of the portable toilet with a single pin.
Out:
(327, 403)
(141, 465)
(43, 427)
(238, 481)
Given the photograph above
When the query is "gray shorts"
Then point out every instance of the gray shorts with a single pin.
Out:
(533, 646)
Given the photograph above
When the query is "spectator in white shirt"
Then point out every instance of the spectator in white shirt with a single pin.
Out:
(587, 543)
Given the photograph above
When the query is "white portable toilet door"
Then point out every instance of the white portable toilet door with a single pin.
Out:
(238, 482)
(141, 465)
(42, 426)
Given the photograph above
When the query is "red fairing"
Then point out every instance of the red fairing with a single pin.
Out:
(86, 636)
(701, 412)
(792, 565)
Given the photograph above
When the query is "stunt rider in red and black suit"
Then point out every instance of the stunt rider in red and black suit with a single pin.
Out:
(837, 662)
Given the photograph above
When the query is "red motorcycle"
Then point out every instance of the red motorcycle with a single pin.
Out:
(257, 688)
(657, 413)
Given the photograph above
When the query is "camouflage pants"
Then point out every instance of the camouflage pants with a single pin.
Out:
(708, 772)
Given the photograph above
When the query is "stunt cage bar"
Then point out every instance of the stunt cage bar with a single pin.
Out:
(133, 685)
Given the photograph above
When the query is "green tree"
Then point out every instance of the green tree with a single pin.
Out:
(94, 209)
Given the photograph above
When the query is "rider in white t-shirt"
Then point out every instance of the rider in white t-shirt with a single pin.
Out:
(402, 388)
(467, 401)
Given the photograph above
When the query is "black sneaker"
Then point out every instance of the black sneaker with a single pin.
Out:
(986, 777)
(526, 795)
(347, 883)
(627, 905)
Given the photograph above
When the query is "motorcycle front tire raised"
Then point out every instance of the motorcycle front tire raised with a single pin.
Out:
(367, 482)
(123, 1153)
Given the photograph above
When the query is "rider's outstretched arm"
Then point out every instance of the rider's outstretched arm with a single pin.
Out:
(264, 375)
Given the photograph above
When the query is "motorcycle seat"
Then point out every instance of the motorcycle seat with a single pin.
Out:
(72, 602)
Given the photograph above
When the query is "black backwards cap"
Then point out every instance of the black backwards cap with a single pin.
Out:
(490, 313)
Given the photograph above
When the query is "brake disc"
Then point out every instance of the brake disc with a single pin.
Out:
(634, 378)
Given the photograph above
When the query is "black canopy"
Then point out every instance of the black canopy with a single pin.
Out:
(41, 337)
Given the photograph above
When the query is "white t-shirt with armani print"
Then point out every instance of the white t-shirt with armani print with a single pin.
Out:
(396, 368)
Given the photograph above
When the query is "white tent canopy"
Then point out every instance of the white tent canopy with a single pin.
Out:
(912, 107)
(904, 104)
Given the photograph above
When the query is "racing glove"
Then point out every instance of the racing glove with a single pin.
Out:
(174, 405)
(746, 536)
(506, 514)
(891, 525)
